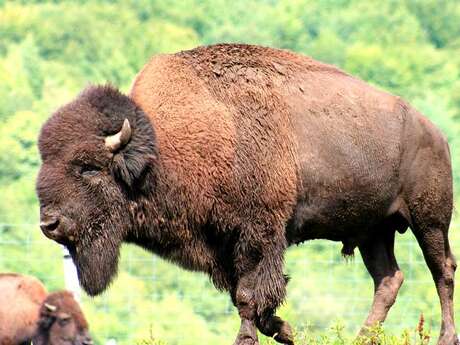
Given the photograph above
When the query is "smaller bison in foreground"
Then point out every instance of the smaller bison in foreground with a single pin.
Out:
(28, 313)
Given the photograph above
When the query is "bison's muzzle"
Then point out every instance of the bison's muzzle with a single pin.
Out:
(56, 227)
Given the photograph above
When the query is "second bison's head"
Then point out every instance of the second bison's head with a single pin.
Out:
(61, 322)
(97, 153)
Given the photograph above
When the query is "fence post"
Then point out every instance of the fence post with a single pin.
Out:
(70, 276)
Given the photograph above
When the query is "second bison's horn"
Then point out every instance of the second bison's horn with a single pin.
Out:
(120, 139)
(50, 307)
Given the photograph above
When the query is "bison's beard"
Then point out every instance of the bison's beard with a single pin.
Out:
(97, 263)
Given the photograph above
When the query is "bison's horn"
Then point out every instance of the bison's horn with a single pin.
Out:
(120, 139)
(50, 307)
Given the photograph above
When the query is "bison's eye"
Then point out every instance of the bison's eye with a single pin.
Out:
(89, 170)
(64, 321)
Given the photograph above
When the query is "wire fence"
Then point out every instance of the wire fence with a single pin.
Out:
(152, 298)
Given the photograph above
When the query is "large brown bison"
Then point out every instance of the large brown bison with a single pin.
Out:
(223, 156)
(28, 313)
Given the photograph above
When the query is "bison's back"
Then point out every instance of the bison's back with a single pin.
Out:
(282, 129)
(20, 300)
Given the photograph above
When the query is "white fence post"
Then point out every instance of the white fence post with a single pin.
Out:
(70, 276)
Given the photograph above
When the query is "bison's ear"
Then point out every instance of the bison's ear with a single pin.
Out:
(46, 320)
(133, 153)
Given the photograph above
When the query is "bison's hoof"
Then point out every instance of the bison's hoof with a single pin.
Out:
(279, 330)
(246, 341)
(285, 335)
(449, 339)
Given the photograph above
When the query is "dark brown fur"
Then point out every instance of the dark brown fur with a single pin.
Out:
(24, 316)
(236, 153)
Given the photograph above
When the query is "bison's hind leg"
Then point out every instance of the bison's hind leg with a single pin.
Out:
(432, 238)
(431, 212)
(378, 256)
(428, 194)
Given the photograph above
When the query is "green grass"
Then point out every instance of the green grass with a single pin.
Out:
(335, 335)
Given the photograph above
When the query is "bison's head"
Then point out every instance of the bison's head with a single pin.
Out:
(61, 322)
(96, 154)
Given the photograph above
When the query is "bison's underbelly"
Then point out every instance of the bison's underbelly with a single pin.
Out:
(340, 215)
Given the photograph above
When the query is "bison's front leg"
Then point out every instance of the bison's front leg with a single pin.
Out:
(261, 287)
(245, 302)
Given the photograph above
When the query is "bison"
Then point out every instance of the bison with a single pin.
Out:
(223, 156)
(28, 313)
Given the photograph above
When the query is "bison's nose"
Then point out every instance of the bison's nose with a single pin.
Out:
(52, 228)
(49, 225)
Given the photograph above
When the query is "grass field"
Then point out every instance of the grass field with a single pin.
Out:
(335, 336)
